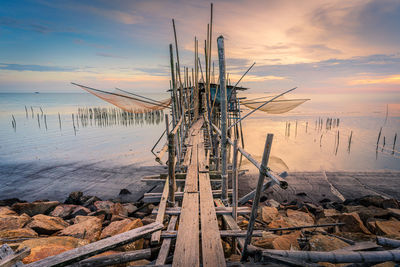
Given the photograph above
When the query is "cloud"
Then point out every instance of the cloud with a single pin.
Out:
(39, 68)
(392, 79)
(156, 71)
(32, 26)
(108, 55)
(85, 43)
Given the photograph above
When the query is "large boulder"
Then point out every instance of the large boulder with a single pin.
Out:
(80, 211)
(389, 228)
(352, 223)
(63, 211)
(394, 213)
(10, 222)
(266, 240)
(300, 218)
(35, 208)
(111, 207)
(119, 227)
(47, 225)
(45, 247)
(5, 211)
(269, 213)
(89, 229)
(368, 213)
(326, 243)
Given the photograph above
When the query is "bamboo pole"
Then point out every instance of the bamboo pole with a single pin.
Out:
(224, 175)
(235, 184)
(171, 170)
(256, 200)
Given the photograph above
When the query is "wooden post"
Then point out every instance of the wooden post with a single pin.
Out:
(166, 124)
(256, 200)
(173, 93)
(222, 86)
(235, 179)
(171, 169)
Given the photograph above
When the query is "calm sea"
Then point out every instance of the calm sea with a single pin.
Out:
(51, 130)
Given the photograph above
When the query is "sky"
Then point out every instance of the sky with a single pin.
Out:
(319, 46)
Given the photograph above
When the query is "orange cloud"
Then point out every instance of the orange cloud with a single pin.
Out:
(392, 79)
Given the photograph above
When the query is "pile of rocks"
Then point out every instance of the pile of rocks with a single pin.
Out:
(363, 218)
(50, 227)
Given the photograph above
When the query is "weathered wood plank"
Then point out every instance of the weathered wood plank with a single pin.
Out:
(223, 233)
(230, 222)
(156, 197)
(98, 247)
(212, 251)
(155, 237)
(187, 243)
(166, 244)
(10, 259)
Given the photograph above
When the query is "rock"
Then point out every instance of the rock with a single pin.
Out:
(266, 240)
(326, 220)
(101, 214)
(352, 223)
(90, 201)
(314, 209)
(234, 258)
(88, 228)
(389, 228)
(356, 236)
(227, 249)
(329, 213)
(272, 203)
(4, 211)
(367, 213)
(118, 218)
(47, 225)
(10, 201)
(63, 211)
(18, 233)
(269, 213)
(148, 219)
(371, 201)
(280, 222)
(300, 218)
(35, 208)
(80, 211)
(124, 191)
(119, 227)
(287, 242)
(10, 222)
(242, 222)
(74, 198)
(111, 208)
(394, 213)
(130, 208)
(45, 247)
(390, 203)
(326, 243)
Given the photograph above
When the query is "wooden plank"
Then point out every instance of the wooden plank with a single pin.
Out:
(230, 222)
(98, 247)
(223, 233)
(10, 259)
(212, 251)
(166, 244)
(155, 237)
(187, 243)
(219, 211)
(156, 197)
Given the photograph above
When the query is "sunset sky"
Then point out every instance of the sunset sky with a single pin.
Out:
(319, 46)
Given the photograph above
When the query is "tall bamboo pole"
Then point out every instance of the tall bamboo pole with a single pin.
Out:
(171, 170)
(256, 200)
(224, 175)
(235, 179)
(173, 93)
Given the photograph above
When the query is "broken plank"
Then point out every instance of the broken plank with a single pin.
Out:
(98, 247)
(166, 244)
(155, 237)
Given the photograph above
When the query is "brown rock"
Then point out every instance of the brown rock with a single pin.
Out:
(287, 242)
(106, 205)
(80, 211)
(7, 211)
(390, 203)
(269, 213)
(300, 218)
(367, 213)
(139, 263)
(326, 243)
(352, 223)
(281, 222)
(89, 229)
(118, 218)
(10, 222)
(47, 225)
(356, 236)
(45, 247)
(101, 214)
(74, 198)
(63, 211)
(130, 208)
(394, 213)
(18, 233)
(148, 220)
(266, 240)
(390, 228)
(35, 208)
(329, 213)
(119, 227)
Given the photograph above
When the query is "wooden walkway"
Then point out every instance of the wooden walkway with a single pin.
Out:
(197, 213)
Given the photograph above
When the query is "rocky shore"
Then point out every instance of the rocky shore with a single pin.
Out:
(50, 227)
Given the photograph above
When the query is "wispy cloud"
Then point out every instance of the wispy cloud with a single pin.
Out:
(32, 26)
(367, 80)
(108, 55)
(39, 68)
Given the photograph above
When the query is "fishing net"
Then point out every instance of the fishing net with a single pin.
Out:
(277, 106)
(126, 101)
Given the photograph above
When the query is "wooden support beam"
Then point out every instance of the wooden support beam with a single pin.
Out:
(155, 237)
(166, 244)
(98, 247)
(219, 211)
(10, 259)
